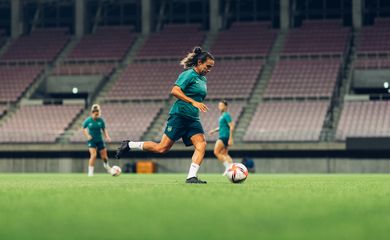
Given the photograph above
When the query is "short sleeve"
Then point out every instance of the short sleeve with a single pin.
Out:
(228, 118)
(85, 123)
(183, 80)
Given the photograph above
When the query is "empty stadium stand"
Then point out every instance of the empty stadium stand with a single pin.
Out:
(38, 123)
(374, 39)
(245, 39)
(107, 43)
(318, 37)
(40, 45)
(364, 119)
(84, 69)
(145, 81)
(16, 79)
(125, 121)
(372, 63)
(303, 78)
(233, 79)
(287, 121)
(173, 41)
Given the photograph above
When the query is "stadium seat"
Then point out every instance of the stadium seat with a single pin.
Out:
(364, 119)
(39, 45)
(38, 123)
(257, 37)
(287, 121)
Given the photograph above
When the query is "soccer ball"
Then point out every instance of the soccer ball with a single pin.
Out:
(237, 173)
(115, 171)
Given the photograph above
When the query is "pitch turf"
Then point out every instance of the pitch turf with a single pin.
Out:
(73, 206)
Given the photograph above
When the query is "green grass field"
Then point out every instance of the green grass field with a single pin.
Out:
(73, 206)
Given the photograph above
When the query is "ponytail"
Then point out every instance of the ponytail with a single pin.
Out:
(192, 58)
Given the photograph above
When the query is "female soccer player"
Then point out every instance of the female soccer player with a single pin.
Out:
(183, 122)
(225, 129)
(93, 127)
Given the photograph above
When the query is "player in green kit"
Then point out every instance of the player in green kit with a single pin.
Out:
(183, 122)
(225, 129)
(93, 127)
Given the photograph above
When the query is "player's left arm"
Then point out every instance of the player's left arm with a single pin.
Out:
(230, 122)
(231, 126)
(106, 136)
(105, 132)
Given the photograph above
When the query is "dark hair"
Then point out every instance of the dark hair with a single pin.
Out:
(224, 102)
(192, 58)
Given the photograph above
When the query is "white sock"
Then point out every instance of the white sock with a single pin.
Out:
(136, 145)
(227, 164)
(106, 165)
(90, 171)
(193, 170)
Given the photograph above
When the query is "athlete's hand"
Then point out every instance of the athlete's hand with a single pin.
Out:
(89, 137)
(230, 142)
(211, 132)
(108, 139)
(202, 107)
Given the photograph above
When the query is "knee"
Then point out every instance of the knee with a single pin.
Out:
(201, 146)
(93, 156)
(162, 149)
(216, 153)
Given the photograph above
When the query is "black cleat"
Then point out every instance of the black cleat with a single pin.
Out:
(124, 147)
(195, 180)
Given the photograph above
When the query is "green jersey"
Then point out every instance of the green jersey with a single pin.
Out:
(224, 128)
(95, 128)
(194, 86)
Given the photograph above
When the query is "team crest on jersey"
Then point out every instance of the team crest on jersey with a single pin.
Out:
(169, 128)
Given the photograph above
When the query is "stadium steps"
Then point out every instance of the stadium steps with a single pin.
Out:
(329, 130)
(128, 59)
(49, 69)
(103, 89)
(12, 108)
(73, 127)
(259, 88)
(5, 46)
(209, 40)
(154, 131)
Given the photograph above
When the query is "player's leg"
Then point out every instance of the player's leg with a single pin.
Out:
(92, 159)
(229, 159)
(104, 156)
(199, 142)
(173, 131)
(220, 151)
(162, 147)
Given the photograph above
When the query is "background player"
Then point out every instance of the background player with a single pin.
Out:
(93, 127)
(225, 129)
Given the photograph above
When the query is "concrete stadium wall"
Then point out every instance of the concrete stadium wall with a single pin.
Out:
(211, 165)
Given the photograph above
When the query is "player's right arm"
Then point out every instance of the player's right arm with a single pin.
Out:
(85, 130)
(214, 131)
(179, 94)
(86, 134)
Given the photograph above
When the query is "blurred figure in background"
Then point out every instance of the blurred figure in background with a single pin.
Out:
(93, 127)
(225, 139)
